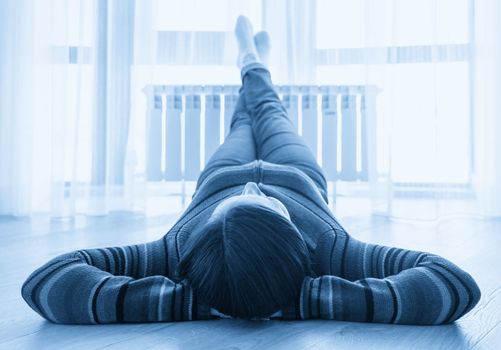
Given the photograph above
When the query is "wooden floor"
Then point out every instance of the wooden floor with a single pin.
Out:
(473, 244)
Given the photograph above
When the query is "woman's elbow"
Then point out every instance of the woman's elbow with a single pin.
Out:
(469, 299)
(464, 290)
(31, 289)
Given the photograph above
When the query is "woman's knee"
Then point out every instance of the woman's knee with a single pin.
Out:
(239, 119)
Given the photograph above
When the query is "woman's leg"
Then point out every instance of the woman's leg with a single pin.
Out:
(276, 138)
(238, 147)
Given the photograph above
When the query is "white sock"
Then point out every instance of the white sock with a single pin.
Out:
(247, 52)
(262, 41)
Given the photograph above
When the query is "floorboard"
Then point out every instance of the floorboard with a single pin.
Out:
(25, 244)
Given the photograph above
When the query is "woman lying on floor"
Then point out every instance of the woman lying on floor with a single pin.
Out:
(257, 241)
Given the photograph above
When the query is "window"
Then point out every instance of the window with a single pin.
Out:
(424, 105)
(416, 51)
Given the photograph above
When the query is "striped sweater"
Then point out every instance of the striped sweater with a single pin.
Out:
(354, 281)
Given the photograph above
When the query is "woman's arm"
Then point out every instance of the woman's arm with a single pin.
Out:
(108, 285)
(374, 283)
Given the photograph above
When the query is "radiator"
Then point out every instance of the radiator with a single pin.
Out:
(186, 123)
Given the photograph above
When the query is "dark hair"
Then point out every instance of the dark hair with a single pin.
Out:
(250, 263)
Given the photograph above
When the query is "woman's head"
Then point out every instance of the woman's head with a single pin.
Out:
(249, 259)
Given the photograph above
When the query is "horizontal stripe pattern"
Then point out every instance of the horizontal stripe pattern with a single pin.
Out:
(365, 283)
(375, 283)
(108, 285)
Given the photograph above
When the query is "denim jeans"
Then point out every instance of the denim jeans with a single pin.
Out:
(261, 129)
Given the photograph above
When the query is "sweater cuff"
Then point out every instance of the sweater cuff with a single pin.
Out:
(303, 305)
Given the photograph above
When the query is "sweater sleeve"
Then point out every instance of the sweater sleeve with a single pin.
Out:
(110, 285)
(374, 283)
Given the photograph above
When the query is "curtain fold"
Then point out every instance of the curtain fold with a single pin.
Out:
(486, 105)
(16, 106)
(65, 103)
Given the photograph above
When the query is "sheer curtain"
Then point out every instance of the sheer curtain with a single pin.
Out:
(65, 106)
(16, 130)
(418, 53)
(487, 106)
(436, 63)
(74, 73)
